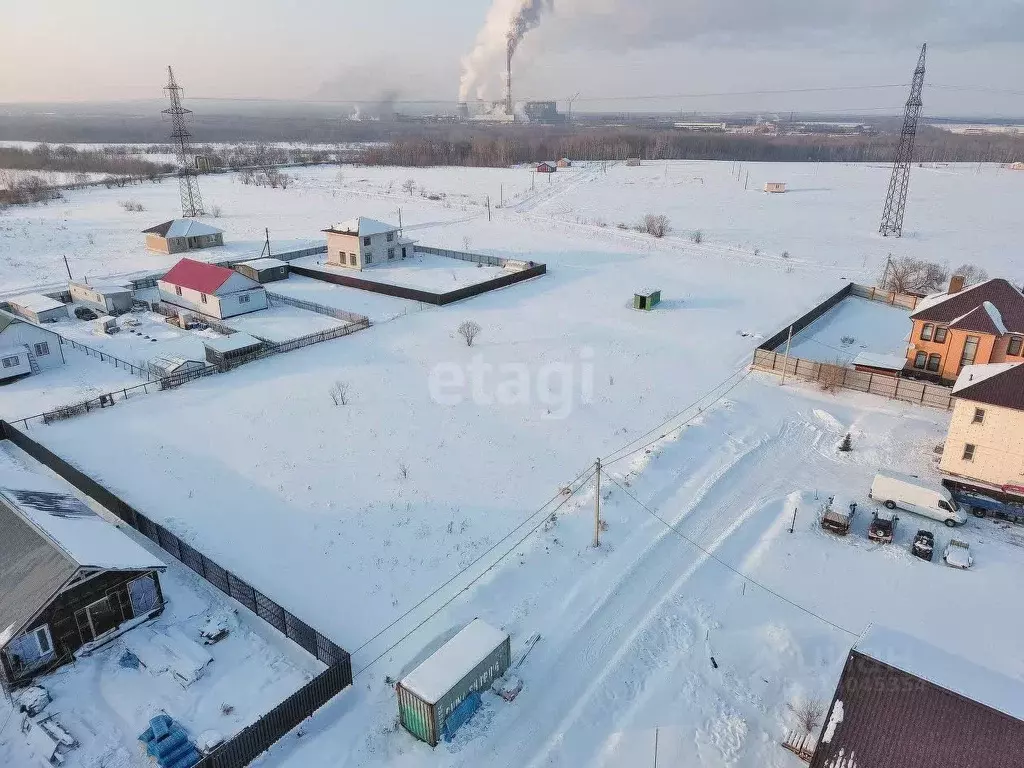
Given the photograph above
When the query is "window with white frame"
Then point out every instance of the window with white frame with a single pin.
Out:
(11, 361)
(42, 348)
(243, 299)
(31, 649)
(391, 237)
(177, 289)
(202, 297)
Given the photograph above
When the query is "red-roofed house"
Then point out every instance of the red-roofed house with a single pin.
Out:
(966, 326)
(211, 290)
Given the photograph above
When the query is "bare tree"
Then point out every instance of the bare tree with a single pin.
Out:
(339, 392)
(697, 236)
(832, 375)
(409, 185)
(971, 273)
(216, 211)
(909, 275)
(655, 225)
(469, 331)
(809, 713)
(403, 470)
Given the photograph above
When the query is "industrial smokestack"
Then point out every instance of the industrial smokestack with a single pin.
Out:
(509, 106)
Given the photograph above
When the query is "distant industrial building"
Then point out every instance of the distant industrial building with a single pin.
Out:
(543, 112)
(180, 235)
(701, 127)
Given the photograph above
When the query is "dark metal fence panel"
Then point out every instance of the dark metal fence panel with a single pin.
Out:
(804, 320)
(492, 285)
(476, 258)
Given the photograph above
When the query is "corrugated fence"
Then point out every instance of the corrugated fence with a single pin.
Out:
(255, 739)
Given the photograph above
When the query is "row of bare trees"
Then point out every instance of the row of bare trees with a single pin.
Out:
(911, 275)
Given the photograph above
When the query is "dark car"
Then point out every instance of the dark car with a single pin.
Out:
(882, 528)
(924, 545)
(84, 313)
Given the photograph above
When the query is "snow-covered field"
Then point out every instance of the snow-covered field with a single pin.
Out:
(442, 449)
(428, 272)
(853, 326)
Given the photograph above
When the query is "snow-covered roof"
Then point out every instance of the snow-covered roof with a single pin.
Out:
(171, 363)
(997, 318)
(35, 302)
(975, 374)
(878, 360)
(946, 670)
(182, 228)
(362, 226)
(439, 673)
(69, 525)
(232, 343)
(265, 263)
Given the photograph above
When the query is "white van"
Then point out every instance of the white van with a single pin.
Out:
(912, 494)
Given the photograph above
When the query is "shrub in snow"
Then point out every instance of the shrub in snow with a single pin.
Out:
(339, 393)
(847, 445)
(655, 225)
(697, 236)
(808, 712)
(469, 330)
(832, 375)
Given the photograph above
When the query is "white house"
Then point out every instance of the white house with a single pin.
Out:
(362, 242)
(38, 308)
(211, 290)
(109, 299)
(26, 348)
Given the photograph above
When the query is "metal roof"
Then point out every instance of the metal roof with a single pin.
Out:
(361, 226)
(35, 302)
(999, 384)
(960, 307)
(182, 228)
(197, 275)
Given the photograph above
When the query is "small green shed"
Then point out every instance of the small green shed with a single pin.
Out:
(646, 299)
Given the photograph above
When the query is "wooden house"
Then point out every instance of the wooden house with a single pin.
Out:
(69, 580)
(546, 168)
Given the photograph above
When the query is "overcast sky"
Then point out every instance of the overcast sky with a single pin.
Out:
(103, 50)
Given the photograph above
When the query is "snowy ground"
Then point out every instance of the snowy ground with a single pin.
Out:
(415, 477)
(282, 323)
(372, 305)
(853, 326)
(106, 706)
(428, 272)
(80, 378)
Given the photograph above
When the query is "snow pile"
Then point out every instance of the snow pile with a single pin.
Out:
(833, 722)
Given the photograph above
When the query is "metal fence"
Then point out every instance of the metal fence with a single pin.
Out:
(104, 357)
(892, 387)
(312, 338)
(320, 309)
(476, 258)
(255, 739)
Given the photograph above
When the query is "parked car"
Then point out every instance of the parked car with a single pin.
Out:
(838, 515)
(883, 527)
(912, 494)
(84, 313)
(958, 554)
(924, 545)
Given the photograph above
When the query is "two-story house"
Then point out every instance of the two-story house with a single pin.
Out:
(985, 442)
(361, 242)
(966, 326)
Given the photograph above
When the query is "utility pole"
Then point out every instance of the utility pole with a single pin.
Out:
(501, 195)
(655, 748)
(67, 268)
(266, 244)
(746, 181)
(533, 182)
(896, 197)
(188, 184)
(597, 507)
(793, 524)
(399, 221)
(488, 207)
(785, 364)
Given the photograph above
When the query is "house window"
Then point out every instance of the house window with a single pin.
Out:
(926, 332)
(31, 649)
(970, 351)
(934, 361)
(391, 253)
(202, 297)
(369, 258)
(101, 617)
(42, 348)
(352, 259)
(969, 452)
(391, 237)
(143, 594)
(920, 359)
(243, 299)
(177, 289)
(940, 335)
(403, 252)
(979, 416)
(11, 362)
(1014, 347)
(366, 241)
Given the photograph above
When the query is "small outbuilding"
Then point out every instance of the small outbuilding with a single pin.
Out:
(873, 362)
(546, 167)
(108, 299)
(211, 290)
(167, 365)
(633, 162)
(26, 348)
(180, 235)
(775, 187)
(228, 351)
(266, 270)
(68, 578)
(1017, 166)
(646, 300)
(468, 663)
(38, 308)
(565, 162)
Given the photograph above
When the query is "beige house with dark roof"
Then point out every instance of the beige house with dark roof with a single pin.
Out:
(985, 442)
(180, 235)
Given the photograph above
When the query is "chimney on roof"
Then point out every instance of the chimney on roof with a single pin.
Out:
(956, 283)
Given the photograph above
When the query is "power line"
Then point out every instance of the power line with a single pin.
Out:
(738, 572)
(449, 601)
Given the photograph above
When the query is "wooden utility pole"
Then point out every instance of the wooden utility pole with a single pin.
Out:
(533, 181)
(501, 195)
(67, 268)
(399, 220)
(792, 525)
(655, 748)
(746, 181)
(488, 207)
(597, 507)
(785, 364)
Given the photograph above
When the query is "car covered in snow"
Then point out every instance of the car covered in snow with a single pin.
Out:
(924, 545)
(958, 554)
(837, 515)
(883, 527)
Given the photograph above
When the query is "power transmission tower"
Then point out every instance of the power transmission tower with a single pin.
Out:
(188, 184)
(896, 199)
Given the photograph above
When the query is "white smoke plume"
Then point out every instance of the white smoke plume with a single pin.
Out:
(506, 25)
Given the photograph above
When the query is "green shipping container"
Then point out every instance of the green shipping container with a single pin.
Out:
(473, 659)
